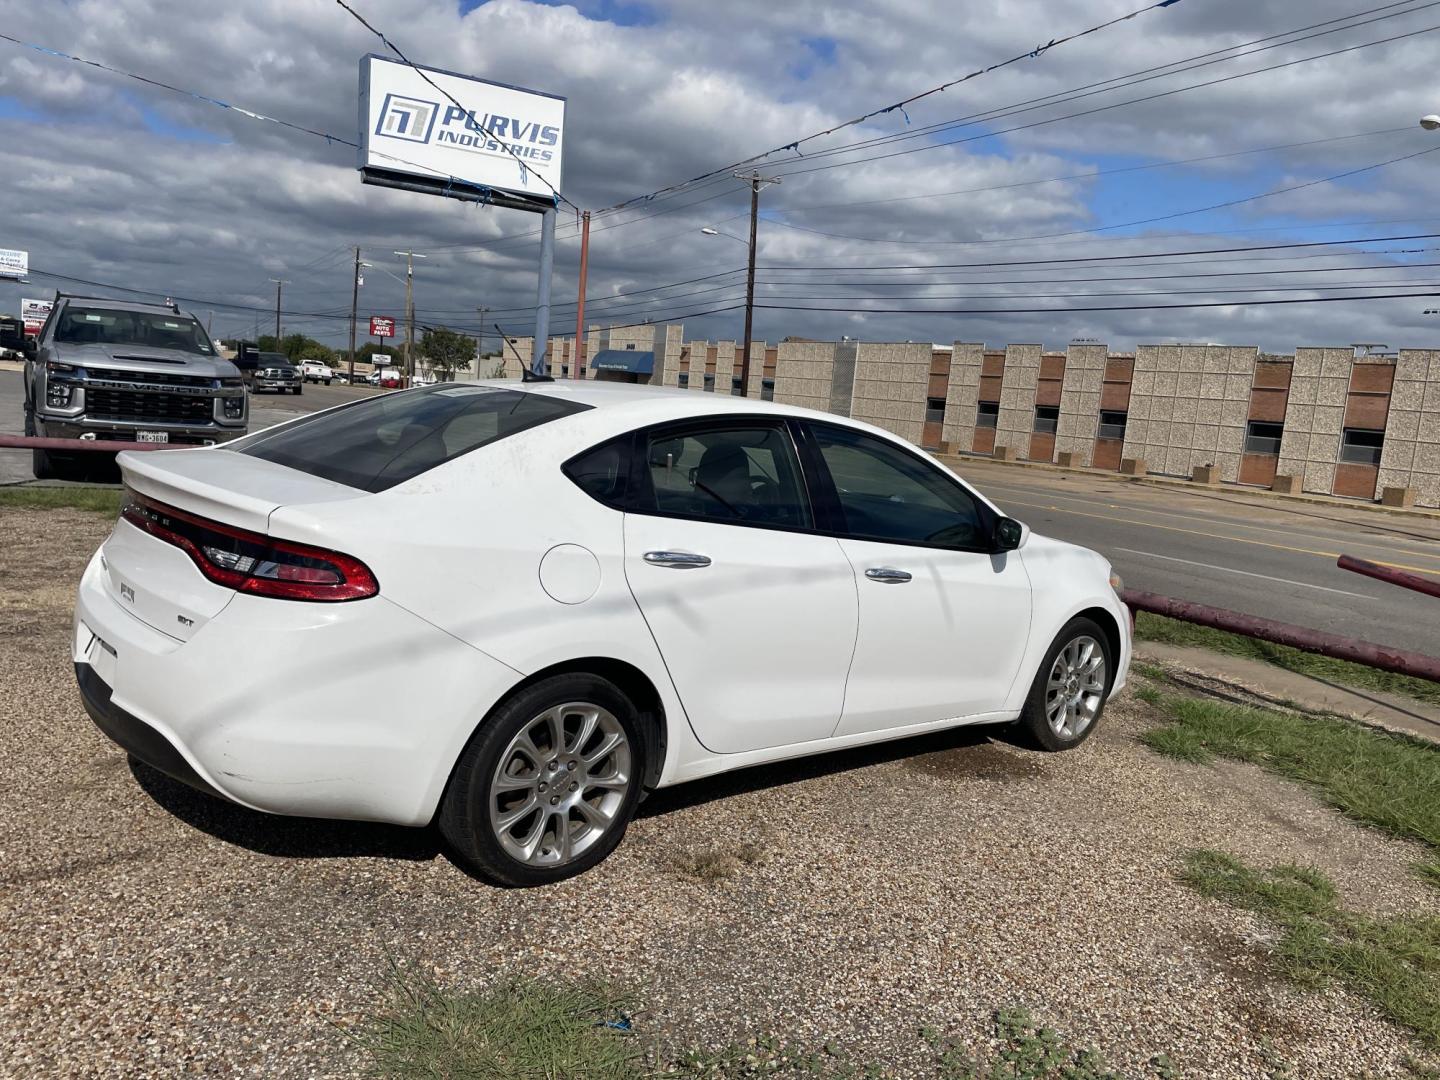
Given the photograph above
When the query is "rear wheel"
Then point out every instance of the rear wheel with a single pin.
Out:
(547, 786)
(1069, 691)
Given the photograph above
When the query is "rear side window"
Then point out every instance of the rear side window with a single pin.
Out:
(603, 472)
(375, 444)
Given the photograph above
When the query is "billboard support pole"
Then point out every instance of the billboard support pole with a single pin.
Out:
(542, 298)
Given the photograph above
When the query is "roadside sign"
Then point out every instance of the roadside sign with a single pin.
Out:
(34, 313)
(424, 128)
(13, 263)
(382, 326)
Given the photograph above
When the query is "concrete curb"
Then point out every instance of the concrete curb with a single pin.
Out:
(1181, 482)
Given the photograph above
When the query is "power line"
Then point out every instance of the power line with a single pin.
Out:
(1118, 307)
(897, 106)
(1354, 20)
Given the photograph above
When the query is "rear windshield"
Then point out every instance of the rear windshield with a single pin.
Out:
(378, 443)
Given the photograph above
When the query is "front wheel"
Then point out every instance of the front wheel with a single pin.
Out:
(299, 389)
(1069, 691)
(547, 786)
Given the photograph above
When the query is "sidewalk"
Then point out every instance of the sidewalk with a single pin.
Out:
(1255, 679)
(959, 461)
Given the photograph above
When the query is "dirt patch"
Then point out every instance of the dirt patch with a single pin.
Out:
(985, 761)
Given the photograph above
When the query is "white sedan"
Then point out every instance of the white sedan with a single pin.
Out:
(543, 599)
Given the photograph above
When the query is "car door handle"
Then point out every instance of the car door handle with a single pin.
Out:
(677, 560)
(887, 575)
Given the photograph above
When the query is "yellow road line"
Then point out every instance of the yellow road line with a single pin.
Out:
(1222, 536)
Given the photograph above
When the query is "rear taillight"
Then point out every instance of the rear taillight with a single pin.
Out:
(251, 562)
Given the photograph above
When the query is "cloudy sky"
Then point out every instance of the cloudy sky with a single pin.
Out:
(992, 195)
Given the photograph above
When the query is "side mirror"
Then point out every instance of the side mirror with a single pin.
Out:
(1010, 535)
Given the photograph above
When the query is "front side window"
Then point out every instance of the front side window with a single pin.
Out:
(116, 326)
(890, 495)
(379, 442)
(736, 475)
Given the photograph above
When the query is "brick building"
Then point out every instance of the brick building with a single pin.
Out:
(1322, 421)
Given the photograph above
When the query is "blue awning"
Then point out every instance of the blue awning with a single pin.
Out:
(631, 360)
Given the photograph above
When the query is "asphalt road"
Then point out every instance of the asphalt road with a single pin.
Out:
(1270, 557)
(1263, 556)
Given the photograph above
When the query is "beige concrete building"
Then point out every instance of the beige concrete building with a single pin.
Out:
(1322, 420)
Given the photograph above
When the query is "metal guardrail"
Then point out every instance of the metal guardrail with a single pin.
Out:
(38, 442)
(1389, 575)
(1400, 661)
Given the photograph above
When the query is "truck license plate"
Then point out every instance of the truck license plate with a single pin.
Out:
(152, 436)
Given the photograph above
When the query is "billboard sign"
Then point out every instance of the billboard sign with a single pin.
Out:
(34, 313)
(14, 264)
(382, 326)
(469, 130)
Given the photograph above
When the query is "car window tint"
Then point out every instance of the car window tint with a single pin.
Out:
(740, 475)
(890, 495)
(603, 472)
(380, 442)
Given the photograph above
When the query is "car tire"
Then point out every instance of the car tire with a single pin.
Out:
(299, 389)
(1067, 698)
(599, 764)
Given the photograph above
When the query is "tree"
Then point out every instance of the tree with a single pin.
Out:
(447, 350)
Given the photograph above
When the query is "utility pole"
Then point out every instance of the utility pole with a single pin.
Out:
(756, 182)
(410, 257)
(280, 284)
(354, 310)
(580, 306)
(480, 342)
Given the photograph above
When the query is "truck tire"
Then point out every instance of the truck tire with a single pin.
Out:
(299, 389)
(41, 465)
(327, 382)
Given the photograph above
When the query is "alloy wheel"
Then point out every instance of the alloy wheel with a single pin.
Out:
(1075, 689)
(560, 784)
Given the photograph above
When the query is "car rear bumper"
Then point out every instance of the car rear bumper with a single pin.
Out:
(133, 735)
(355, 710)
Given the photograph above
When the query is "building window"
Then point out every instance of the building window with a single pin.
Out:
(987, 413)
(737, 388)
(1112, 424)
(935, 410)
(709, 380)
(1361, 447)
(1047, 418)
(767, 389)
(682, 379)
(1263, 438)
(564, 371)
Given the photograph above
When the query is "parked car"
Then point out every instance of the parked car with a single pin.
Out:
(568, 593)
(122, 371)
(316, 371)
(274, 371)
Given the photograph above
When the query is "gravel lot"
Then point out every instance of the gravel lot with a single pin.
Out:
(150, 931)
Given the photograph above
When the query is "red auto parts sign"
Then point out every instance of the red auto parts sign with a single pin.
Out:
(382, 326)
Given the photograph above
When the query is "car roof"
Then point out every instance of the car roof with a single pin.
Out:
(117, 305)
(644, 404)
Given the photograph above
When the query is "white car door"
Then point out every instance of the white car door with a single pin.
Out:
(752, 609)
(943, 620)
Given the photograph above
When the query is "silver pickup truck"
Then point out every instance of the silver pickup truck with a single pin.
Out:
(116, 370)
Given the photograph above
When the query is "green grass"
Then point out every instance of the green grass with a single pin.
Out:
(533, 1029)
(521, 1030)
(1158, 628)
(100, 500)
(1390, 782)
(1394, 962)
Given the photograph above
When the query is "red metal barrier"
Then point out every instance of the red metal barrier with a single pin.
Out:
(1387, 574)
(1361, 652)
(36, 442)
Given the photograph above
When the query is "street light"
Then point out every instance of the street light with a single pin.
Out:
(1431, 122)
(708, 231)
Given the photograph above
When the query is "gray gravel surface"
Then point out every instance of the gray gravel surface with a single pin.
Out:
(150, 931)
